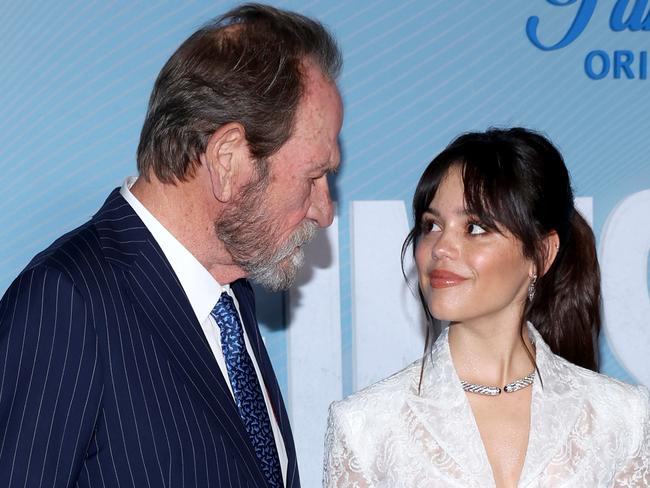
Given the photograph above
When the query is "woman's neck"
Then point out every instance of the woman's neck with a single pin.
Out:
(490, 353)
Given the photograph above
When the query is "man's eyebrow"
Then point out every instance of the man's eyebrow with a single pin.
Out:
(328, 166)
(333, 167)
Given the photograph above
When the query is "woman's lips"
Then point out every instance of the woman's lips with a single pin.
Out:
(440, 278)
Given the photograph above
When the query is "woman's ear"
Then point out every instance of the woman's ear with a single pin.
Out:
(225, 154)
(551, 248)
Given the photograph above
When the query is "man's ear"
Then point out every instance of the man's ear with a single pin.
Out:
(552, 246)
(225, 155)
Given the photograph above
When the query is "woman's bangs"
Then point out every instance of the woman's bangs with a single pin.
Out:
(484, 196)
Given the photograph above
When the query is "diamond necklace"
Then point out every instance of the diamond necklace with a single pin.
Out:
(495, 390)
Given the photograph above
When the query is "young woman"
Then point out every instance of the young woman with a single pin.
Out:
(507, 395)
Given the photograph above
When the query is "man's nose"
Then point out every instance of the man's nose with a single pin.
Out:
(321, 210)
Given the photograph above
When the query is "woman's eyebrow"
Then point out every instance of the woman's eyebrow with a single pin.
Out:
(460, 212)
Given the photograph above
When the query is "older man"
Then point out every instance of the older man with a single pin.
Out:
(130, 352)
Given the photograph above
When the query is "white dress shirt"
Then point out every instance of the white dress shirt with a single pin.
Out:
(202, 291)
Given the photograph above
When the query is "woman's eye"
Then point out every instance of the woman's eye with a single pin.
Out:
(430, 226)
(475, 229)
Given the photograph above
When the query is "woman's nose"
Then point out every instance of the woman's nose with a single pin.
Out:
(446, 246)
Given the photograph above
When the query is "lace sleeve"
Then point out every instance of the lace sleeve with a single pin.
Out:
(341, 466)
(635, 473)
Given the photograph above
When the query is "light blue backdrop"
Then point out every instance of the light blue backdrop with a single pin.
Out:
(76, 76)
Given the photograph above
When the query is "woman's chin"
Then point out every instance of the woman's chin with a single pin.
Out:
(446, 314)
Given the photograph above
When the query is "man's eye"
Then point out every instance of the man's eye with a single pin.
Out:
(475, 229)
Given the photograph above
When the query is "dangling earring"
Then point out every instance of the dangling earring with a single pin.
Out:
(531, 288)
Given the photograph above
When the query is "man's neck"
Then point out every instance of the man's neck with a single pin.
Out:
(181, 208)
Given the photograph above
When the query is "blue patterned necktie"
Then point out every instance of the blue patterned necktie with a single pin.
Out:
(246, 389)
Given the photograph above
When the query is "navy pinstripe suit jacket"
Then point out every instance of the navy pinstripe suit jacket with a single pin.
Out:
(106, 379)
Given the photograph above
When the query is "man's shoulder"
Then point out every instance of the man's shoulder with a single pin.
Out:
(53, 285)
(71, 252)
(62, 269)
(81, 248)
(74, 255)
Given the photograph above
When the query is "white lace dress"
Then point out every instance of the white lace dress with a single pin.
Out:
(587, 431)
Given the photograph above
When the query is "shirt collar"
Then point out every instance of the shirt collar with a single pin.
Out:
(201, 288)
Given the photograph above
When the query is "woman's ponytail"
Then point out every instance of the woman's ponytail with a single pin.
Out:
(566, 305)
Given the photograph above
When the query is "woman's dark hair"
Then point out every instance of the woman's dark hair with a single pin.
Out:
(516, 179)
(246, 66)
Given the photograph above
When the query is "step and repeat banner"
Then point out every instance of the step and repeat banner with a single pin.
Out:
(76, 78)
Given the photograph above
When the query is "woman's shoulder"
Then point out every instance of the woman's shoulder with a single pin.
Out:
(382, 398)
(618, 410)
(606, 385)
(609, 396)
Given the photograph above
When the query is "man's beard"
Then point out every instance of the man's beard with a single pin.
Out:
(250, 237)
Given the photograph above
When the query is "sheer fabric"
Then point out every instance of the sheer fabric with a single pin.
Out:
(587, 430)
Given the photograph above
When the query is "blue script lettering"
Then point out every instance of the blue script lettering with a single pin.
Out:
(582, 18)
(637, 19)
(634, 21)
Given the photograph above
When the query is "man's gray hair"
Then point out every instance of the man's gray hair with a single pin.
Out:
(246, 66)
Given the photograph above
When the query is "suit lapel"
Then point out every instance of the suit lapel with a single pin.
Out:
(164, 305)
(554, 410)
(443, 410)
(246, 299)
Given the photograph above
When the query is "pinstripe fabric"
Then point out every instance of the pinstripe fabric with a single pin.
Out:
(106, 379)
